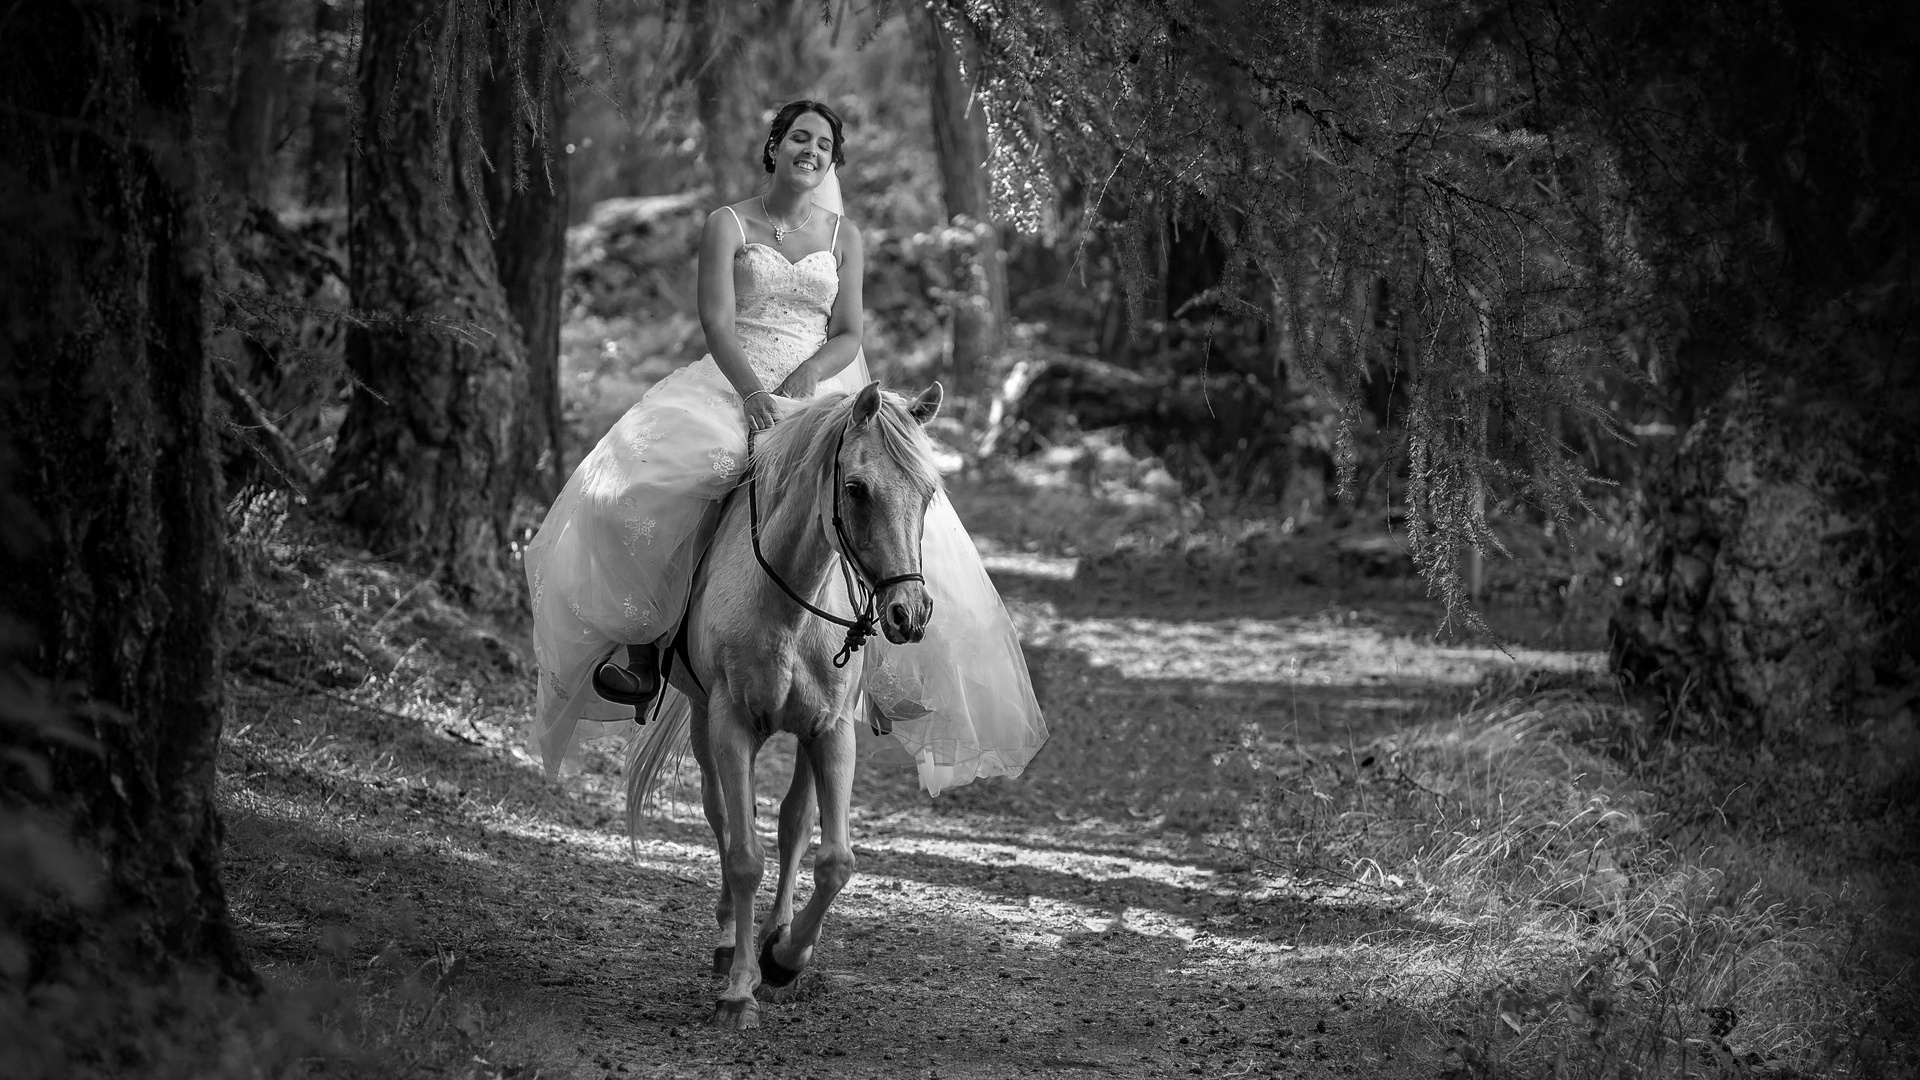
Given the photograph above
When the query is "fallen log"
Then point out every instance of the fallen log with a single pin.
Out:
(1221, 432)
(1043, 399)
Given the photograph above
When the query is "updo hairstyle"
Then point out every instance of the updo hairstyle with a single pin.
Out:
(783, 123)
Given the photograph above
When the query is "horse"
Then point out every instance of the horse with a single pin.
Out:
(837, 493)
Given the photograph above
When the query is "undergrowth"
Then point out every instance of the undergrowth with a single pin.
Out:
(1578, 918)
(329, 657)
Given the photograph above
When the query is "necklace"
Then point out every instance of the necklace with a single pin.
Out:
(780, 231)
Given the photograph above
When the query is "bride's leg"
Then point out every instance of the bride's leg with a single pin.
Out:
(644, 661)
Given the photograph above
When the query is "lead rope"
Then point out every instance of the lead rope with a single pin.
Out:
(861, 626)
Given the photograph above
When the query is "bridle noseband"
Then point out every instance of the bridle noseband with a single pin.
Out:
(859, 579)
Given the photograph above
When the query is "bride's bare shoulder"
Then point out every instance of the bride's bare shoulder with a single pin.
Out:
(841, 224)
(846, 232)
(731, 212)
(728, 222)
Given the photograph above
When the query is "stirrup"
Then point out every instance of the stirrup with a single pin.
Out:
(635, 691)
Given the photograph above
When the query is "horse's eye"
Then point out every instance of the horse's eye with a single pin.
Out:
(856, 490)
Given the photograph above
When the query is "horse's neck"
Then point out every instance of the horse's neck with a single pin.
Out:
(794, 544)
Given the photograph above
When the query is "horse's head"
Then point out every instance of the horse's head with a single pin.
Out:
(886, 478)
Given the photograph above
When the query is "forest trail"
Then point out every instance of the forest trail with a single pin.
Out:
(1086, 919)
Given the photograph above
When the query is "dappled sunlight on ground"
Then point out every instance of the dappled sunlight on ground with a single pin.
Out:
(1077, 919)
(1324, 650)
(1125, 908)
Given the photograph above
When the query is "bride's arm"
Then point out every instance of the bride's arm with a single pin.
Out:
(843, 323)
(717, 247)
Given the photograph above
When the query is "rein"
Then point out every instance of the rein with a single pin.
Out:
(861, 626)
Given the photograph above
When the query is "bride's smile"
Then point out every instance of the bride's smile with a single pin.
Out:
(804, 152)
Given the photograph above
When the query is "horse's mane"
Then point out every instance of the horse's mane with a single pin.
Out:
(802, 443)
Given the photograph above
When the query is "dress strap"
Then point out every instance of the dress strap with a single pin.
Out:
(833, 244)
(742, 225)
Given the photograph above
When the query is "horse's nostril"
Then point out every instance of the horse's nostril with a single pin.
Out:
(898, 613)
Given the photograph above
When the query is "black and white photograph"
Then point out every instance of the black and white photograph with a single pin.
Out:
(948, 539)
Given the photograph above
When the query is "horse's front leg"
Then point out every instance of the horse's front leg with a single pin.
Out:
(732, 745)
(716, 809)
(832, 755)
(796, 833)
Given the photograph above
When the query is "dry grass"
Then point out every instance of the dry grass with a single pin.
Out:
(1568, 930)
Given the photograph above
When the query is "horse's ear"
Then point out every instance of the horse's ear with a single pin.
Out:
(865, 404)
(927, 405)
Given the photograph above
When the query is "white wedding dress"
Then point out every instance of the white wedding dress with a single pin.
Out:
(611, 565)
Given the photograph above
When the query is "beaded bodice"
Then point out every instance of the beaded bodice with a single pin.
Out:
(781, 307)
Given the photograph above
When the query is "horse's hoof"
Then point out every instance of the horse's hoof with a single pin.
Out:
(722, 959)
(800, 989)
(773, 973)
(735, 1015)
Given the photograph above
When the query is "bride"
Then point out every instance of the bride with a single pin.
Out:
(780, 302)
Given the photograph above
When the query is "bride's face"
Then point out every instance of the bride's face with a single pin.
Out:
(806, 152)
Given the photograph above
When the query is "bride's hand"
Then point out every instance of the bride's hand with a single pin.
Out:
(760, 410)
(800, 384)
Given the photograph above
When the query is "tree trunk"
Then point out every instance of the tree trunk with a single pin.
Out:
(1195, 262)
(1771, 595)
(527, 202)
(258, 93)
(427, 456)
(960, 140)
(329, 120)
(1772, 153)
(734, 134)
(110, 513)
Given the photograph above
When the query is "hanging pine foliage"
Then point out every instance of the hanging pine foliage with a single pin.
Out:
(1373, 180)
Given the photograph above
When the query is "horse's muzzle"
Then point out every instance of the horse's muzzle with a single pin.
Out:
(905, 612)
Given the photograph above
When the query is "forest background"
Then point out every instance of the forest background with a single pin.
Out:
(1627, 289)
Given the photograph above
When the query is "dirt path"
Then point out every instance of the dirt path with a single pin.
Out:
(1080, 921)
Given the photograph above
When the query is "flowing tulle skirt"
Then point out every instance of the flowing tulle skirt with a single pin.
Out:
(612, 563)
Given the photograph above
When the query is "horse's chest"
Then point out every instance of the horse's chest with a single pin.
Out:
(794, 698)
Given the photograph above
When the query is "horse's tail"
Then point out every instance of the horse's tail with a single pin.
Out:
(664, 739)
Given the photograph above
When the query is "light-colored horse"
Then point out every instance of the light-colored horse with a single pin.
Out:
(762, 664)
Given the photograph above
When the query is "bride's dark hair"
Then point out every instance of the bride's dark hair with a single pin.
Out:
(783, 122)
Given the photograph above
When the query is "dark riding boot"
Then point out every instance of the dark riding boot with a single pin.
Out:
(636, 685)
